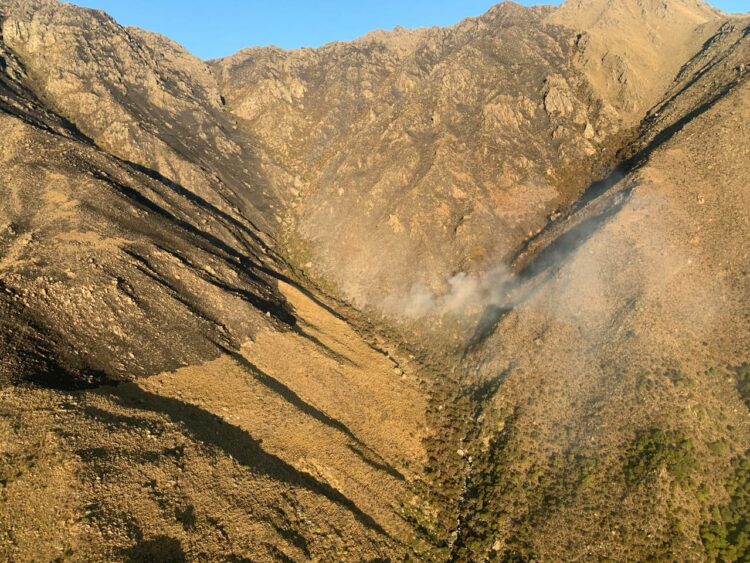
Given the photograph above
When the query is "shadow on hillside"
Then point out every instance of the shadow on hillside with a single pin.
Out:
(551, 257)
(161, 548)
(358, 447)
(213, 431)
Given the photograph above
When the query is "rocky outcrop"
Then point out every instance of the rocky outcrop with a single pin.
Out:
(451, 144)
(143, 98)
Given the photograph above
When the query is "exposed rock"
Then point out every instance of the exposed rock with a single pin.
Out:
(455, 109)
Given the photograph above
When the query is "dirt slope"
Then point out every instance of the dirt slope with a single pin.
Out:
(244, 456)
(631, 50)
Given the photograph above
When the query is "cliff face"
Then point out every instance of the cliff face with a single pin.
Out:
(441, 294)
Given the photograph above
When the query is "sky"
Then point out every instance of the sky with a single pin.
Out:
(216, 28)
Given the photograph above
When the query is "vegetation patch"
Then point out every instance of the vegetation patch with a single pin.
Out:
(743, 382)
(726, 536)
(509, 495)
(655, 449)
(678, 377)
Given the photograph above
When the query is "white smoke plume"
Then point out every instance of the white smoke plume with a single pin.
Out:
(465, 294)
(592, 280)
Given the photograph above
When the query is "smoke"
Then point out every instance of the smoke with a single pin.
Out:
(489, 294)
(464, 294)
(591, 276)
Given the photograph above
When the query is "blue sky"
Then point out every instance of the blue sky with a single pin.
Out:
(215, 28)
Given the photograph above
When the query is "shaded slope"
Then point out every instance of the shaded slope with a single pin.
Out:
(104, 258)
(143, 98)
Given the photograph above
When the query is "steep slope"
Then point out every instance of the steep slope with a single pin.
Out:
(104, 258)
(416, 155)
(142, 98)
(621, 408)
(631, 50)
(111, 271)
(248, 456)
(453, 145)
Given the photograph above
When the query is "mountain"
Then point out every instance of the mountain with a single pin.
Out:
(631, 50)
(623, 354)
(450, 144)
(447, 294)
(104, 250)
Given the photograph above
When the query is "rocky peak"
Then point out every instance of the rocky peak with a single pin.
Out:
(632, 50)
(366, 128)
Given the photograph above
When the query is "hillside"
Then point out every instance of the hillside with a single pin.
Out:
(463, 294)
(450, 144)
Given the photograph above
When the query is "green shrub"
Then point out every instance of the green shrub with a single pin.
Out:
(655, 449)
(743, 382)
(719, 447)
(678, 377)
(727, 536)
